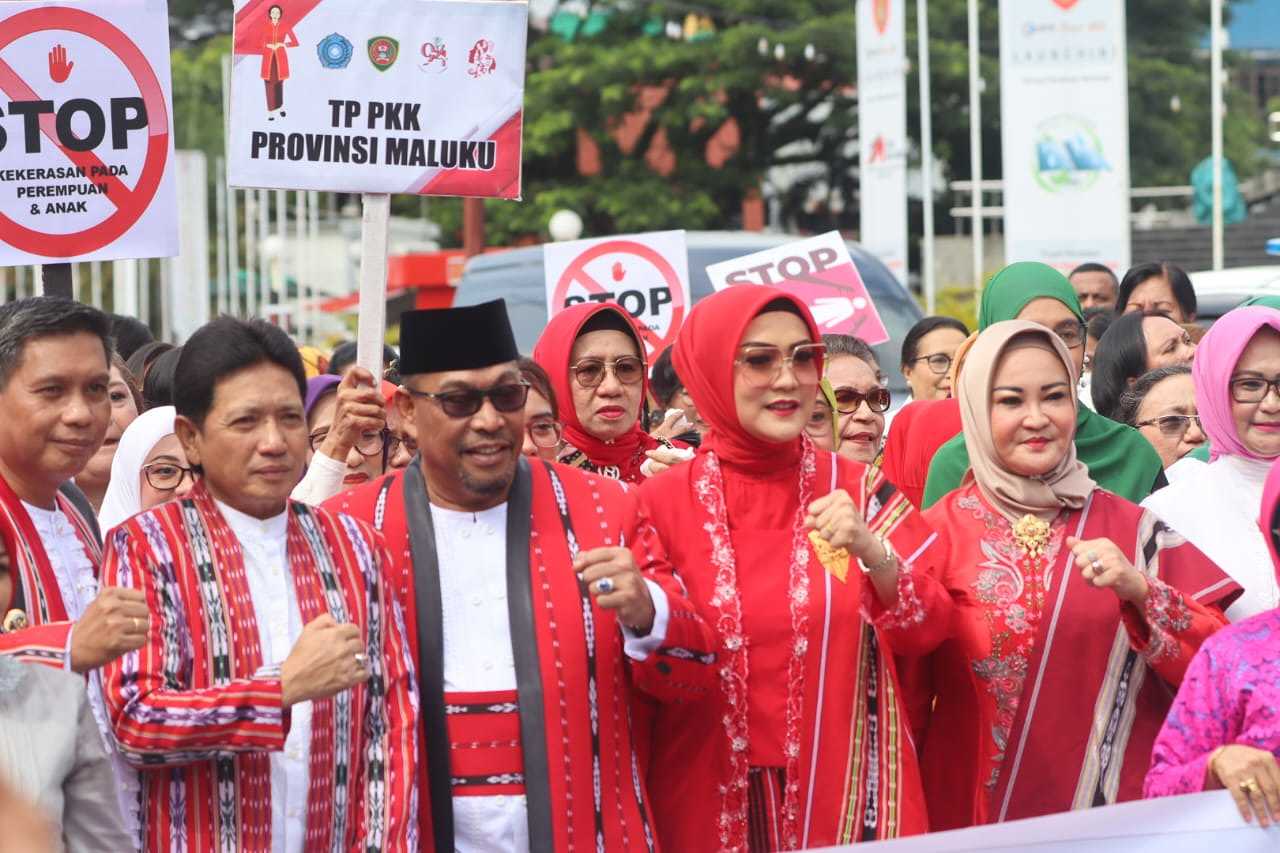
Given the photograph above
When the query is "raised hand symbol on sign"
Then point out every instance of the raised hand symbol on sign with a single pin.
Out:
(619, 272)
(59, 68)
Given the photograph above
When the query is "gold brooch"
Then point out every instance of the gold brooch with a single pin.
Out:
(1032, 534)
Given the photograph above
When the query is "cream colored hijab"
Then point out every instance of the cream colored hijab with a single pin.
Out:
(1013, 495)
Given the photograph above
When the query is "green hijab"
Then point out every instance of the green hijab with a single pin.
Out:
(1119, 459)
(1266, 301)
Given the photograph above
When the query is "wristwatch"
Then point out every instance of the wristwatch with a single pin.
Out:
(890, 557)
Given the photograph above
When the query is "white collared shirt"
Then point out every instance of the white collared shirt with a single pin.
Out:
(472, 551)
(275, 606)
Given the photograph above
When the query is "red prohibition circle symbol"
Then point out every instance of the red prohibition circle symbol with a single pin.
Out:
(130, 204)
(577, 271)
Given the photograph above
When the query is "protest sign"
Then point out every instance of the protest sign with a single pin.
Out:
(1188, 824)
(821, 273)
(380, 96)
(86, 142)
(647, 274)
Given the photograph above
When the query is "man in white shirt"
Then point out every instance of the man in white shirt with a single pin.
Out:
(271, 708)
(541, 610)
(54, 373)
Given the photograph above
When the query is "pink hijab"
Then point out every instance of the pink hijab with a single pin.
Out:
(1216, 358)
(1269, 521)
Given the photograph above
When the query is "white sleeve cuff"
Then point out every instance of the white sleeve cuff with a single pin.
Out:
(322, 481)
(639, 648)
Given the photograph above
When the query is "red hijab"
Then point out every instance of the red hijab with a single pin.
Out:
(704, 359)
(917, 431)
(553, 351)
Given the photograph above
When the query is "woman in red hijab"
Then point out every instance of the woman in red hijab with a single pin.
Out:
(918, 430)
(595, 358)
(784, 549)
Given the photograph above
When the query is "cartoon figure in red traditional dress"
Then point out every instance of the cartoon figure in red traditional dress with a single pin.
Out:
(275, 61)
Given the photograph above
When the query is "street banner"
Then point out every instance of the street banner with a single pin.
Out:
(86, 139)
(1192, 823)
(882, 131)
(821, 273)
(379, 96)
(647, 274)
(1065, 132)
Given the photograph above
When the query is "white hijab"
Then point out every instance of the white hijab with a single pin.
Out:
(123, 499)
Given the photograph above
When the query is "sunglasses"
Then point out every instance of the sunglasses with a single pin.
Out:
(1172, 425)
(590, 372)
(848, 400)
(507, 397)
(762, 365)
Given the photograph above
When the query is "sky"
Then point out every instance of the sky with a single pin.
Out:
(1255, 25)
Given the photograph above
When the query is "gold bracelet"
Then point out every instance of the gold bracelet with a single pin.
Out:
(1208, 765)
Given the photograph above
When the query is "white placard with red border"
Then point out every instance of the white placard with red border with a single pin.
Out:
(380, 96)
(647, 274)
(86, 132)
(821, 273)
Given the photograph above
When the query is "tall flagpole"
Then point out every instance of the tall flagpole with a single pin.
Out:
(975, 144)
(926, 158)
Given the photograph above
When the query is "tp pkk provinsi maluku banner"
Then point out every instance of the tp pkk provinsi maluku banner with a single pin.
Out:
(385, 96)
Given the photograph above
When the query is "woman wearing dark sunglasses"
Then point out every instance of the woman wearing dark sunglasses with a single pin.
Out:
(595, 358)
(861, 396)
(1161, 404)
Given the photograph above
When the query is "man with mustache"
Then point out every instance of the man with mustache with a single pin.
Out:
(536, 598)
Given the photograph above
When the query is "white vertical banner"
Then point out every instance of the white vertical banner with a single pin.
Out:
(1064, 110)
(189, 300)
(882, 131)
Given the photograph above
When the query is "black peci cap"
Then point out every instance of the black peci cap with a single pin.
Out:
(465, 338)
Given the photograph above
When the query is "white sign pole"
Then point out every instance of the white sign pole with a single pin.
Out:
(371, 331)
(975, 145)
(1216, 37)
(926, 158)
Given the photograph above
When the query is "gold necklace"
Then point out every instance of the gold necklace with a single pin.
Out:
(1032, 534)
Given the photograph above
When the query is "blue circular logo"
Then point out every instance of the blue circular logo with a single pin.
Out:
(334, 51)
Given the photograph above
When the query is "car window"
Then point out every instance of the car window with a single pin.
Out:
(517, 277)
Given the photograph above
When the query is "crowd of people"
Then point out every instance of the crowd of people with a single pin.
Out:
(732, 597)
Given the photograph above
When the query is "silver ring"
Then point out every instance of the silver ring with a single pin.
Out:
(604, 586)
(361, 658)
(1096, 566)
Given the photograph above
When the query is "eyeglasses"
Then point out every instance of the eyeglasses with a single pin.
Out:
(166, 476)
(1172, 425)
(1072, 334)
(369, 445)
(762, 365)
(939, 362)
(1253, 389)
(848, 400)
(590, 372)
(544, 434)
(820, 419)
(507, 397)
(395, 442)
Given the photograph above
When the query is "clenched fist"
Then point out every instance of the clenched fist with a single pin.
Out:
(612, 577)
(116, 622)
(327, 659)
